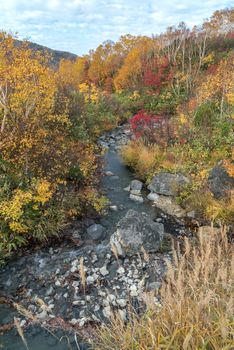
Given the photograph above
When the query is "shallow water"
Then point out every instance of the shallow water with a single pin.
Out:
(113, 187)
(114, 190)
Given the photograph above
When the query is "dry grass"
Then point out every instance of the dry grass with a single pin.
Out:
(212, 209)
(197, 311)
(146, 160)
(82, 273)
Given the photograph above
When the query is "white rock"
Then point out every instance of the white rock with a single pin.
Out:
(121, 302)
(75, 262)
(83, 321)
(105, 302)
(73, 322)
(95, 276)
(111, 298)
(159, 219)
(97, 308)
(75, 284)
(73, 269)
(89, 279)
(133, 291)
(121, 270)
(109, 173)
(104, 271)
(95, 318)
(153, 196)
(42, 315)
(101, 293)
(135, 198)
(114, 207)
(22, 323)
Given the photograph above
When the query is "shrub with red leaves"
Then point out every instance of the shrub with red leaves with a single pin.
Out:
(212, 69)
(158, 74)
(143, 124)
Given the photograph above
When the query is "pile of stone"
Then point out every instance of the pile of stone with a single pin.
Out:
(135, 189)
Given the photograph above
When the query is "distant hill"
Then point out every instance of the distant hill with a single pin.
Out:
(56, 55)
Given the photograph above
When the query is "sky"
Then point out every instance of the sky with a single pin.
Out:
(80, 25)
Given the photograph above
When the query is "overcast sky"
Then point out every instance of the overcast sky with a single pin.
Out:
(80, 25)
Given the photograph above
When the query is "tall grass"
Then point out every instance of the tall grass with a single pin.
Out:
(144, 159)
(205, 204)
(197, 311)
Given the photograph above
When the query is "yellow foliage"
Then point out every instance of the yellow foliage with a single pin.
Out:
(18, 227)
(43, 192)
(90, 92)
(182, 118)
(229, 167)
(12, 210)
(97, 201)
(88, 163)
(131, 71)
(135, 95)
(203, 174)
(219, 84)
(208, 59)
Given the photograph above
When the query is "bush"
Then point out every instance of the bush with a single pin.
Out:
(206, 115)
(28, 212)
(196, 310)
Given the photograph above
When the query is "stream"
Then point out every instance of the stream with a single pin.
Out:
(49, 273)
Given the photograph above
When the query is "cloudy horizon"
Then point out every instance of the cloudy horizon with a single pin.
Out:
(78, 26)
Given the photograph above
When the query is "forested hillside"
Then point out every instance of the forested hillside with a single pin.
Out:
(55, 56)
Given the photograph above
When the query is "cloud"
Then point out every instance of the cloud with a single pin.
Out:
(80, 25)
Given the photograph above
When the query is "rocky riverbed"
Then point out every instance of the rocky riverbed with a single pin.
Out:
(113, 261)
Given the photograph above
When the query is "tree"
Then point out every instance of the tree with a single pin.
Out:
(131, 73)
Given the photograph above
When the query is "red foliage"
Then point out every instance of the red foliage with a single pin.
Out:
(143, 123)
(158, 74)
(212, 69)
(230, 35)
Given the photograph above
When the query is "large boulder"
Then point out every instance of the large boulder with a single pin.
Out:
(219, 182)
(168, 205)
(168, 184)
(136, 232)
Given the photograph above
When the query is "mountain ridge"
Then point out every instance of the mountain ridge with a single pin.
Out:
(56, 55)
